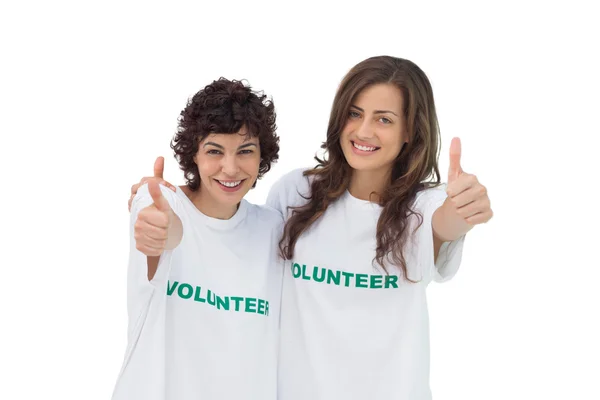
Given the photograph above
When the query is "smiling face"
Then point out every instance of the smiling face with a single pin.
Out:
(228, 166)
(375, 129)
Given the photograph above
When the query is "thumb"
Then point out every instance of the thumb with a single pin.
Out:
(159, 200)
(159, 166)
(454, 169)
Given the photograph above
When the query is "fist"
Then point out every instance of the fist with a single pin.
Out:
(153, 222)
(467, 197)
(159, 166)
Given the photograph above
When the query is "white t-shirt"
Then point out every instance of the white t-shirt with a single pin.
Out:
(206, 326)
(349, 330)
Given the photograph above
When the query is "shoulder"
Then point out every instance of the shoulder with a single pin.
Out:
(143, 198)
(265, 215)
(294, 179)
(291, 190)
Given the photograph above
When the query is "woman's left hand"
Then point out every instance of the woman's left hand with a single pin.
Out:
(467, 197)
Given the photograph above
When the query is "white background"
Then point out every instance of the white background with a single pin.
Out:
(90, 94)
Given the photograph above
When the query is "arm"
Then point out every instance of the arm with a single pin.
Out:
(289, 191)
(467, 203)
(159, 165)
(156, 229)
(447, 226)
(174, 236)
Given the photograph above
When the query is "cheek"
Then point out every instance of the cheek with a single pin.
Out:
(348, 127)
(392, 139)
(251, 164)
(207, 165)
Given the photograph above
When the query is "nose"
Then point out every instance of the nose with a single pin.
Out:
(365, 130)
(230, 166)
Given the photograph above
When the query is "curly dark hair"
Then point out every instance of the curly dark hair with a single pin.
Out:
(225, 106)
(415, 169)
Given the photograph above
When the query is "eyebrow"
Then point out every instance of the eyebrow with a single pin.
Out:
(376, 111)
(223, 148)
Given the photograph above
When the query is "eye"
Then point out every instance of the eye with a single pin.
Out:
(213, 151)
(353, 114)
(246, 151)
(385, 120)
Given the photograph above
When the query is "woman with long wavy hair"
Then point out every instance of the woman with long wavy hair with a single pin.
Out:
(367, 229)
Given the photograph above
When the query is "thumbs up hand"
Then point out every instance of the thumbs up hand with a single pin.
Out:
(467, 198)
(159, 166)
(151, 230)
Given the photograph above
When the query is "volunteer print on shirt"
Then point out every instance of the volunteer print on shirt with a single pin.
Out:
(350, 328)
(207, 325)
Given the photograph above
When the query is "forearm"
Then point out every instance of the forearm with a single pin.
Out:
(447, 224)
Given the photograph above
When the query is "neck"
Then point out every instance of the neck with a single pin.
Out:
(210, 207)
(368, 185)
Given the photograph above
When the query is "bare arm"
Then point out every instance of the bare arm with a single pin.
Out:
(447, 226)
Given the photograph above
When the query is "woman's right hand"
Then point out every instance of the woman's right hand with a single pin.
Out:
(151, 230)
(159, 166)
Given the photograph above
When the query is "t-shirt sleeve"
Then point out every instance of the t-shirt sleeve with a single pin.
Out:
(290, 190)
(142, 373)
(139, 289)
(450, 255)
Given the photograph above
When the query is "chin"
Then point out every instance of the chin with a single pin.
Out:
(230, 199)
(360, 163)
(362, 166)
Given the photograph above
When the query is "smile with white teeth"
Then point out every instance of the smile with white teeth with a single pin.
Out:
(363, 148)
(229, 183)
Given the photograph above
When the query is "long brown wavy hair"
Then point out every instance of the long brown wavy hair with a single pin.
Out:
(415, 168)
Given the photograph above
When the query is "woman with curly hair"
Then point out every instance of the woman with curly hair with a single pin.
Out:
(204, 280)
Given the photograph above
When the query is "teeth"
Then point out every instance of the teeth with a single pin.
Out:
(363, 148)
(230, 184)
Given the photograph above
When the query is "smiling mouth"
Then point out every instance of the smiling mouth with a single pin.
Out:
(365, 148)
(230, 184)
